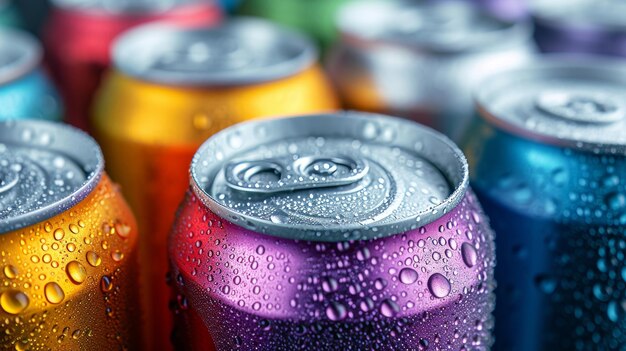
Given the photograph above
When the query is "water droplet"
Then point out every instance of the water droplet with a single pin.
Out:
(54, 293)
(408, 276)
(330, 284)
(117, 255)
(59, 234)
(122, 230)
(546, 283)
(73, 228)
(10, 271)
(76, 272)
(13, 301)
(93, 259)
(260, 249)
(468, 252)
(106, 284)
(439, 285)
(336, 311)
(388, 308)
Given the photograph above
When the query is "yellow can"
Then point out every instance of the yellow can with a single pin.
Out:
(172, 88)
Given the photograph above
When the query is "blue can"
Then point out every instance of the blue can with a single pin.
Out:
(547, 155)
(25, 91)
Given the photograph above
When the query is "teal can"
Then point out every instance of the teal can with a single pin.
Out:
(9, 15)
(25, 90)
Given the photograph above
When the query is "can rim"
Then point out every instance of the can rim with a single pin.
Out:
(123, 46)
(457, 176)
(32, 54)
(610, 66)
(66, 139)
(514, 32)
(66, 5)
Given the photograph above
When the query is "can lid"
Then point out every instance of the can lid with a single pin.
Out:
(335, 177)
(20, 53)
(571, 101)
(45, 168)
(604, 13)
(433, 26)
(134, 7)
(240, 51)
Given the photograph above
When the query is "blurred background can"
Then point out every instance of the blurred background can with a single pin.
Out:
(79, 35)
(172, 88)
(332, 232)
(420, 60)
(315, 18)
(547, 159)
(68, 269)
(9, 15)
(581, 26)
(25, 91)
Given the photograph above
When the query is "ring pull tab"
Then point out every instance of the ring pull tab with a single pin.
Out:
(8, 180)
(284, 174)
(585, 108)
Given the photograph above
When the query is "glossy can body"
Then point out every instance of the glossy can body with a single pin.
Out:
(78, 44)
(252, 286)
(25, 90)
(149, 132)
(315, 18)
(582, 26)
(68, 280)
(558, 211)
(381, 64)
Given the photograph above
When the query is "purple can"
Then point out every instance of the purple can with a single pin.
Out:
(348, 231)
(581, 26)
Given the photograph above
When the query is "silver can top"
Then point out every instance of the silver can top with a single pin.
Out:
(20, 53)
(240, 51)
(609, 14)
(45, 168)
(435, 26)
(134, 7)
(336, 177)
(571, 101)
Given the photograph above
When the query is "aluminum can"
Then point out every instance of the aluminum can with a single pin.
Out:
(343, 231)
(9, 16)
(175, 86)
(68, 244)
(25, 91)
(80, 33)
(315, 18)
(581, 26)
(548, 158)
(420, 60)
(506, 9)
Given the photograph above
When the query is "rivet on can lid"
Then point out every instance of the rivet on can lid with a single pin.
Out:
(45, 168)
(20, 53)
(240, 51)
(347, 176)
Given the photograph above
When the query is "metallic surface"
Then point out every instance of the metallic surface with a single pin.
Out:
(25, 92)
(559, 207)
(405, 58)
(140, 7)
(240, 51)
(426, 287)
(581, 26)
(314, 18)
(78, 47)
(263, 191)
(149, 133)
(68, 276)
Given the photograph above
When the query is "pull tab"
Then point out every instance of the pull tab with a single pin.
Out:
(586, 108)
(284, 174)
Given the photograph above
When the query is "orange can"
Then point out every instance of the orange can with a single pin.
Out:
(68, 244)
(172, 88)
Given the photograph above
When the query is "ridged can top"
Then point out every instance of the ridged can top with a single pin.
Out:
(45, 168)
(20, 53)
(335, 177)
(134, 7)
(608, 14)
(434, 27)
(570, 101)
(240, 51)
